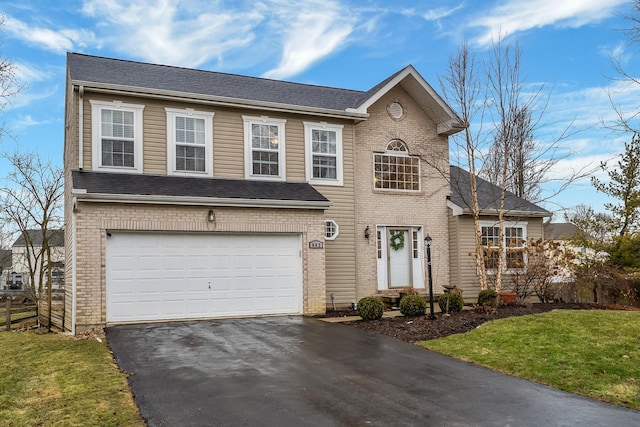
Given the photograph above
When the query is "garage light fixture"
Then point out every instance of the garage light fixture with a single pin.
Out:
(211, 216)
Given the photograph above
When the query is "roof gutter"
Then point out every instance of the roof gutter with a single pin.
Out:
(215, 100)
(458, 210)
(82, 195)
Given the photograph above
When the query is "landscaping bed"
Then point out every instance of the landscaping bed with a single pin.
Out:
(421, 328)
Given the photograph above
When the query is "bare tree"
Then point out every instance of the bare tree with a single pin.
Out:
(9, 84)
(463, 89)
(500, 141)
(31, 198)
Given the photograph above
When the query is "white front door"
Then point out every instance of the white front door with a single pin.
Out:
(399, 252)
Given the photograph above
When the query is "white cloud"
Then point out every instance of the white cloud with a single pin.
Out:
(174, 32)
(313, 33)
(29, 73)
(24, 122)
(514, 16)
(58, 41)
(439, 13)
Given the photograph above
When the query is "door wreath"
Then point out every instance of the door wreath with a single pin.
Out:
(396, 241)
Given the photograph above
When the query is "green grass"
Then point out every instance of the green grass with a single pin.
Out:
(595, 353)
(54, 380)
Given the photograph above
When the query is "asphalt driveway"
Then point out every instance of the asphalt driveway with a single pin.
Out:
(294, 371)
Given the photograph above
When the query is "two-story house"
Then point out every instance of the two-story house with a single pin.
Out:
(193, 194)
(27, 254)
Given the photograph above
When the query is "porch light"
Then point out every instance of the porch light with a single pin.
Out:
(367, 232)
(211, 216)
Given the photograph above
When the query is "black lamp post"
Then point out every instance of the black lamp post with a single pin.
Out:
(427, 242)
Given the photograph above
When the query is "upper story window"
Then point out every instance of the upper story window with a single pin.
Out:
(116, 142)
(512, 251)
(396, 169)
(323, 149)
(264, 156)
(189, 142)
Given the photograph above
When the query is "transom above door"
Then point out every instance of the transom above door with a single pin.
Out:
(400, 257)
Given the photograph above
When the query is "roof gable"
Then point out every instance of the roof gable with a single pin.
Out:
(425, 96)
(488, 197)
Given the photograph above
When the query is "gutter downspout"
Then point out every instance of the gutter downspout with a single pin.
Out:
(81, 127)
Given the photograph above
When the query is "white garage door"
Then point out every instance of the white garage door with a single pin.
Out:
(184, 276)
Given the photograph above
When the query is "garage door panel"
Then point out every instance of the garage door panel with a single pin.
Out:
(154, 276)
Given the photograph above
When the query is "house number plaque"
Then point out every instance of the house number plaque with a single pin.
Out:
(316, 244)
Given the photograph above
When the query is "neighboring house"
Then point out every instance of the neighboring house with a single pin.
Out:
(192, 194)
(523, 222)
(5, 267)
(20, 249)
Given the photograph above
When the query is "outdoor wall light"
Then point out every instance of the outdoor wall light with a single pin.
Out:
(367, 232)
(211, 216)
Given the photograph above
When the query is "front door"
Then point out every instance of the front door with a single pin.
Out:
(399, 257)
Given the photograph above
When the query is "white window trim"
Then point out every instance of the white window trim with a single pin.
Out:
(172, 114)
(96, 126)
(337, 227)
(503, 255)
(248, 160)
(309, 127)
(396, 154)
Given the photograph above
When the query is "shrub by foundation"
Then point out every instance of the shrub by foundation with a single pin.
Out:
(370, 308)
(413, 305)
(455, 302)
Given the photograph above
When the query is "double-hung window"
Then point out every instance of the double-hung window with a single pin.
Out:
(116, 136)
(323, 148)
(189, 142)
(396, 169)
(264, 148)
(512, 250)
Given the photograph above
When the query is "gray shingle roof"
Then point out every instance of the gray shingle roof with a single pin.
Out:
(161, 185)
(95, 69)
(559, 230)
(56, 238)
(488, 196)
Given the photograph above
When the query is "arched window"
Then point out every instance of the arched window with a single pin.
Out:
(396, 169)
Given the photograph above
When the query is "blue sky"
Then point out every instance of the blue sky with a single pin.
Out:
(567, 46)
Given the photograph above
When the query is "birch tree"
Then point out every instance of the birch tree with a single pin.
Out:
(462, 87)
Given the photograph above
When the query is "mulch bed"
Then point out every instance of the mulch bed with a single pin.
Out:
(421, 328)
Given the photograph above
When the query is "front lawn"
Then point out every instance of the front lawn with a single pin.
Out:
(589, 352)
(54, 380)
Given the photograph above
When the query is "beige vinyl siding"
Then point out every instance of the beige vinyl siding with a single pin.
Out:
(463, 226)
(154, 128)
(340, 256)
(294, 146)
(228, 144)
(454, 250)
